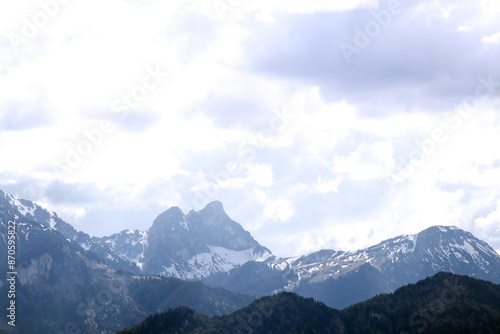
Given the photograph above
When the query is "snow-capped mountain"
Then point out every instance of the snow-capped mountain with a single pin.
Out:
(15, 207)
(208, 245)
(406, 258)
(22, 208)
(60, 282)
(190, 246)
(342, 278)
(128, 245)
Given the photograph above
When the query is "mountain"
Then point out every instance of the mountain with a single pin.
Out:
(208, 245)
(444, 304)
(281, 313)
(55, 275)
(62, 286)
(192, 246)
(155, 294)
(12, 206)
(340, 279)
(27, 209)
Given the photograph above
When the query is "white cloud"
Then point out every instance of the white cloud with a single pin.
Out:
(280, 210)
(334, 143)
(369, 161)
(260, 174)
(326, 186)
(232, 10)
(492, 39)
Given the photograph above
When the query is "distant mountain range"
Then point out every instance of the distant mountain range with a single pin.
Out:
(340, 279)
(64, 287)
(62, 266)
(444, 304)
(191, 246)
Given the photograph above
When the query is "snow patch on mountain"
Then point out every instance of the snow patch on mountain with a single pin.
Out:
(111, 243)
(23, 209)
(218, 259)
(184, 224)
(438, 248)
(143, 240)
(52, 222)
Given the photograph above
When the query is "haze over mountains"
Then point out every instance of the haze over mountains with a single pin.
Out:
(444, 303)
(60, 265)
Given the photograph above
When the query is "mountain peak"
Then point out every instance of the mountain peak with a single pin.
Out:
(442, 229)
(198, 244)
(170, 217)
(214, 206)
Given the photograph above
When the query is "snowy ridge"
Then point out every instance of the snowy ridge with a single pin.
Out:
(127, 245)
(24, 209)
(33, 211)
(438, 248)
(191, 246)
(218, 259)
(203, 243)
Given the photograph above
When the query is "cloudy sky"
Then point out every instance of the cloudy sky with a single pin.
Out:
(317, 124)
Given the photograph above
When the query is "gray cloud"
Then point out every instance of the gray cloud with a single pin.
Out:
(24, 186)
(242, 111)
(59, 192)
(410, 64)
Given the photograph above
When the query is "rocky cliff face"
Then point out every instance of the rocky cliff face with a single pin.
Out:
(63, 287)
(190, 246)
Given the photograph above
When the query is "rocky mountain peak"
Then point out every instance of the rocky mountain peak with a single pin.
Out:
(212, 214)
(169, 219)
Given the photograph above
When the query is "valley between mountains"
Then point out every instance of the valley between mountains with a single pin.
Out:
(71, 282)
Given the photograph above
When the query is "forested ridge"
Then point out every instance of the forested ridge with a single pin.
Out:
(444, 303)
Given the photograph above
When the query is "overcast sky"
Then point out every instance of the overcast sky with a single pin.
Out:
(317, 124)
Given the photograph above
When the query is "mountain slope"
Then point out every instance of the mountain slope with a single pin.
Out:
(155, 294)
(14, 207)
(61, 286)
(340, 279)
(190, 246)
(444, 304)
(282, 313)
(55, 276)
(209, 245)
(26, 209)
